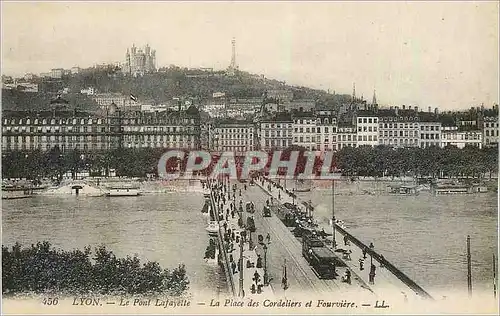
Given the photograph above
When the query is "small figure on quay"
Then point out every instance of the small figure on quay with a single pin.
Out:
(346, 240)
(279, 195)
(259, 262)
(364, 253)
(347, 277)
(361, 264)
(233, 266)
(268, 238)
(256, 277)
(240, 192)
(245, 186)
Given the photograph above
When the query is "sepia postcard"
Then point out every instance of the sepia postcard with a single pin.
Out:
(249, 157)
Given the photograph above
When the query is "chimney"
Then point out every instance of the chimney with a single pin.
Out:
(404, 106)
(430, 110)
(409, 107)
(416, 108)
(436, 111)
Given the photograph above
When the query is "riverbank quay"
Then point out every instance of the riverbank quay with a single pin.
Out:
(245, 271)
(387, 279)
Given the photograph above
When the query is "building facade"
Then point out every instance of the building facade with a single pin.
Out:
(490, 131)
(430, 134)
(367, 124)
(451, 135)
(276, 132)
(346, 136)
(70, 130)
(326, 130)
(398, 128)
(304, 130)
(233, 135)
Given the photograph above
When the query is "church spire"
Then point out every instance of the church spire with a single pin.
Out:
(374, 100)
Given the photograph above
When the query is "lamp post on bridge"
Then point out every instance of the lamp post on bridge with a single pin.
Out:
(371, 253)
(266, 276)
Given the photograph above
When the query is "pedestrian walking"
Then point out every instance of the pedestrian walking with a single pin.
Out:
(259, 262)
(268, 238)
(361, 264)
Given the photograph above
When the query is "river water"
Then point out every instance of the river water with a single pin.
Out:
(425, 235)
(167, 228)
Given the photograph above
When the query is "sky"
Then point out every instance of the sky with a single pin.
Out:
(439, 54)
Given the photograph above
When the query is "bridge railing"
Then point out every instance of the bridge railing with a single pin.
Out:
(389, 266)
(227, 268)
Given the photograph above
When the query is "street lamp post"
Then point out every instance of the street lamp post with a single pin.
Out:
(371, 253)
(266, 277)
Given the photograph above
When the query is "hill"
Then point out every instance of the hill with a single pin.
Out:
(158, 87)
(21, 101)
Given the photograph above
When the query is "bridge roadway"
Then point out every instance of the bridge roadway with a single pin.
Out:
(284, 246)
(386, 284)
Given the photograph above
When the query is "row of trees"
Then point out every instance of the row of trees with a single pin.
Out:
(427, 162)
(362, 161)
(44, 269)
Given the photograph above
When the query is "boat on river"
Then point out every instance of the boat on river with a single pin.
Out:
(403, 190)
(123, 191)
(14, 192)
(302, 190)
(212, 228)
(458, 188)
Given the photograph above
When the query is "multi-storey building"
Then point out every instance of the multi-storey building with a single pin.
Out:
(304, 129)
(56, 73)
(233, 135)
(367, 124)
(430, 134)
(490, 130)
(68, 130)
(167, 129)
(326, 130)
(451, 135)
(106, 99)
(276, 132)
(280, 94)
(398, 128)
(346, 136)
